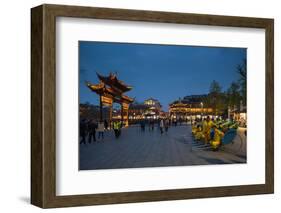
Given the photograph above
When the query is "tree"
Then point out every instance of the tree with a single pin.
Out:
(215, 88)
(233, 95)
(242, 71)
(216, 99)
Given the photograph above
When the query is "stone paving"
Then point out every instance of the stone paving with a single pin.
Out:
(136, 149)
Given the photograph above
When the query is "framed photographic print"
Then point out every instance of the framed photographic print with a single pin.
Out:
(136, 106)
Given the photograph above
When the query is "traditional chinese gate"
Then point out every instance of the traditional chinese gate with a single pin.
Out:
(110, 89)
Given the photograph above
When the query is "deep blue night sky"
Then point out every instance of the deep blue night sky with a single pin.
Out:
(164, 72)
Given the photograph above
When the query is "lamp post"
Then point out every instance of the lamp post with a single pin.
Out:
(201, 109)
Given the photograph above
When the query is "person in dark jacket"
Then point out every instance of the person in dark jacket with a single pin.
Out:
(83, 131)
(105, 124)
(142, 125)
(92, 126)
(117, 125)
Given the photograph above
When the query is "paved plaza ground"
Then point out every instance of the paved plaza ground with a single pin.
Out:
(136, 149)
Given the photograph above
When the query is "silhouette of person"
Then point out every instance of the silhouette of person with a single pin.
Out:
(83, 131)
(92, 126)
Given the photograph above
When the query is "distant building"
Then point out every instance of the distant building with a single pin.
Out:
(149, 109)
(154, 108)
(89, 111)
(239, 114)
(137, 111)
(191, 106)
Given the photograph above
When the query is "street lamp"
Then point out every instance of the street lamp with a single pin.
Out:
(201, 109)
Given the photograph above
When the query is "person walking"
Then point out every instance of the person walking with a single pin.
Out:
(152, 125)
(166, 124)
(83, 131)
(161, 126)
(105, 124)
(119, 126)
(142, 124)
(115, 129)
(100, 129)
(92, 126)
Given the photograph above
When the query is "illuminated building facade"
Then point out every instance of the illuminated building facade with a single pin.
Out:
(149, 109)
(189, 107)
(137, 112)
(238, 114)
(89, 111)
(154, 108)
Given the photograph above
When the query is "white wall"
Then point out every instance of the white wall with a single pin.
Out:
(15, 106)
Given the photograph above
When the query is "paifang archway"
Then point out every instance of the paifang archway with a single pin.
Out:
(111, 89)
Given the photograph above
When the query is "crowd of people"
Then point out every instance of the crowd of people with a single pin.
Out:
(93, 131)
(90, 128)
(162, 124)
(211, 131)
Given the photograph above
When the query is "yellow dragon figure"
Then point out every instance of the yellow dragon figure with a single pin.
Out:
(198, 133)
(193, 129)
(216, 141)
(199, 136)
